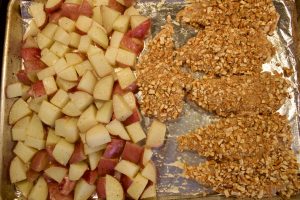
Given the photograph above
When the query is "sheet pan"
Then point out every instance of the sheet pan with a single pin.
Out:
(171, 184)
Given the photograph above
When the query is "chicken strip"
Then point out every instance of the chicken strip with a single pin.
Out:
(257, 14)
(275, 173)
(239, 137)
(236, 95)
(224, 50)
(160, 81)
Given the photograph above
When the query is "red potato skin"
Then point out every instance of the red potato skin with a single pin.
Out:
(23, 78)
(49, 150)
(101, 187)
(37, 89)
(129, 3)
(33, 65)
(131, 44)
(40, 161)
(86, 9)
(125, 181)
(66, 186)
(141, 31)
(55, 16)
(28, 44)
(118, 90)
(113, 4)
(55, 8)
(135, 117)
(106, 166)
(30, 54)
(78, 154)
(54, 193)
(117, 175)
(132, 152)
(32, 175)
(90, 176)
(70, 10)
(114, 148)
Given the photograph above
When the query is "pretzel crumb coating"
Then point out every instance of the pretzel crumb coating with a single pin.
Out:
(256, 14)
(274, 174)
(238, 137)
(223, 50)
(161, 83)
(236, 95)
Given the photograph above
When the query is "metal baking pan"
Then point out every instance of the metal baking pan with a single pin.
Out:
(11, 64)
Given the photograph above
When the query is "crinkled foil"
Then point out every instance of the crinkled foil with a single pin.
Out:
(171, 183)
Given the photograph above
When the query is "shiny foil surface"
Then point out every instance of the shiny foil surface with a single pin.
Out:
(169, 161)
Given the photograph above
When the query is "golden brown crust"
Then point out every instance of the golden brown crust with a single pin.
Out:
(238, 137)
(257, 14)
(236, 95)
(161, 83)
(275, 173)
(223, 50)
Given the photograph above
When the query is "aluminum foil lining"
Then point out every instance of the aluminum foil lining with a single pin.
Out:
(171, 183)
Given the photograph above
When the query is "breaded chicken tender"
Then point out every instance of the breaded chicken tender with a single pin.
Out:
(237, 95)
(237, 137)
(160, 81)
(274, 174)
(224, 50)
(257, 14)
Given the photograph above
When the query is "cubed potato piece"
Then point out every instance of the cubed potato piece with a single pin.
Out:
(137, 187)
(115, 127)
(52, 138)
(125, 77)
(116, 39)
(35, 128)
(48, 113)
(128, 168)
(98, 34)
(49, 30)
(50, 85)
(44, 73)
(83, 23)
(104, 114)
(98, 135)
(84, 43)
(43, 41)
(74, 40)
(60, 65)
(136, 132)
(111, 55)
(49, 58)
(14, 90)
(63, 151)
(87, 119)
(67, 24)
(18, 131)
(60, 99)
(59, 49)
(122, 23)
(67, 128)
(125, 58)
(24, 152)
(56, 173)
(103, 88)
(68, 74)
(97, 16)
(121, 109)
(83, 67)
(17, 170)
(77, 170)
(18, 110)
(87, 82)
(39, 190)
(101, 65)
(73, 58)
(36, 143)
(156, 134)
(62, 36)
